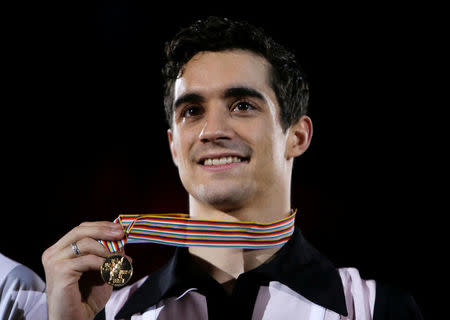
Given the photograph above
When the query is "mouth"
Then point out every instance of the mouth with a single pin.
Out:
(217, 161)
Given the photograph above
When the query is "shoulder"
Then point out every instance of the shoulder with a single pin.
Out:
(6, 265)
(359, 294)
(377, 300)
(19, 276)
(21, 290)
(395, 303)
(25, 279)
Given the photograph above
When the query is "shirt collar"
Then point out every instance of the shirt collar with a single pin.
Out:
(307, 272)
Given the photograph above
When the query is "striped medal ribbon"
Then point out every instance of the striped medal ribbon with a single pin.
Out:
(179, 230)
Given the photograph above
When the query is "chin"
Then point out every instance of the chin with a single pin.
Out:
(222, 199)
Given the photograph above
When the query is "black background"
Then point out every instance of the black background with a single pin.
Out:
(85, 136)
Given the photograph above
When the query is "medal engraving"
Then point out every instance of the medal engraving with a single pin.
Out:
(116, 270)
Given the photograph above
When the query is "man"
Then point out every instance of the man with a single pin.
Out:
(236, 103)
(22, 292)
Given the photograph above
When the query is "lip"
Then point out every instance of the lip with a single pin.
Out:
(222, 167)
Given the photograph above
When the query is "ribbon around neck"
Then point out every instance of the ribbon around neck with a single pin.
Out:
(178, 229)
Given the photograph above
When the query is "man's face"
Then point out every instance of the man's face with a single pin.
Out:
(226, 138)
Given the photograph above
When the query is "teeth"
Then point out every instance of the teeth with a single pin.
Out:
(221, 161)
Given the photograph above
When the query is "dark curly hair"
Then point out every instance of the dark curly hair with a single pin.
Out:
(218, 34)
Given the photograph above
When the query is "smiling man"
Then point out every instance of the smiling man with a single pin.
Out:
(236, 104)
(233, 156)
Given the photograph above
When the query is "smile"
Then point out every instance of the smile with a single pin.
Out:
(221, 161)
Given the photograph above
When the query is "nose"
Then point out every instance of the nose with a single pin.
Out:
(215, 126)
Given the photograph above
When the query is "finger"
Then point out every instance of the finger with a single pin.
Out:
(71, 269)
(66, 272)
(86, 263)
(85, 246)
(97, 223)
(96, 230)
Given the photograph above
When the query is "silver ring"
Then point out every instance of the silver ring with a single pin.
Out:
(75, 249)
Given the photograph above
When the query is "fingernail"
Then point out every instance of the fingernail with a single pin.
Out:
(117, 231)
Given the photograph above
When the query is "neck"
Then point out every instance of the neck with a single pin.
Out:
(226, 264)
(268, 209)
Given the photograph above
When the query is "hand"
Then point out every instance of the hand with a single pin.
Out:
(75, 289)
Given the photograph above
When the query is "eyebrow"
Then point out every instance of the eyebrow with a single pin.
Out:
(242, 92)
(188, 98)
(233, 92)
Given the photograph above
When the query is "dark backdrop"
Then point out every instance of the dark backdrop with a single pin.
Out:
(85, 136)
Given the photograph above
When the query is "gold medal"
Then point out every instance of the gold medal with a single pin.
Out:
(116, 270)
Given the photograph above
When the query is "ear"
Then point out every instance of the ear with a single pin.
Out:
(172, 148)
(299, 138)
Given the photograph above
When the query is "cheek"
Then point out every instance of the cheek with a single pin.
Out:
(258, 135)
(269, 142)
(181, 155)
(181, 149)
(256, 131)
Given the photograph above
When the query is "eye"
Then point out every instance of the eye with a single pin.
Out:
(242, 106)
(191, 111)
